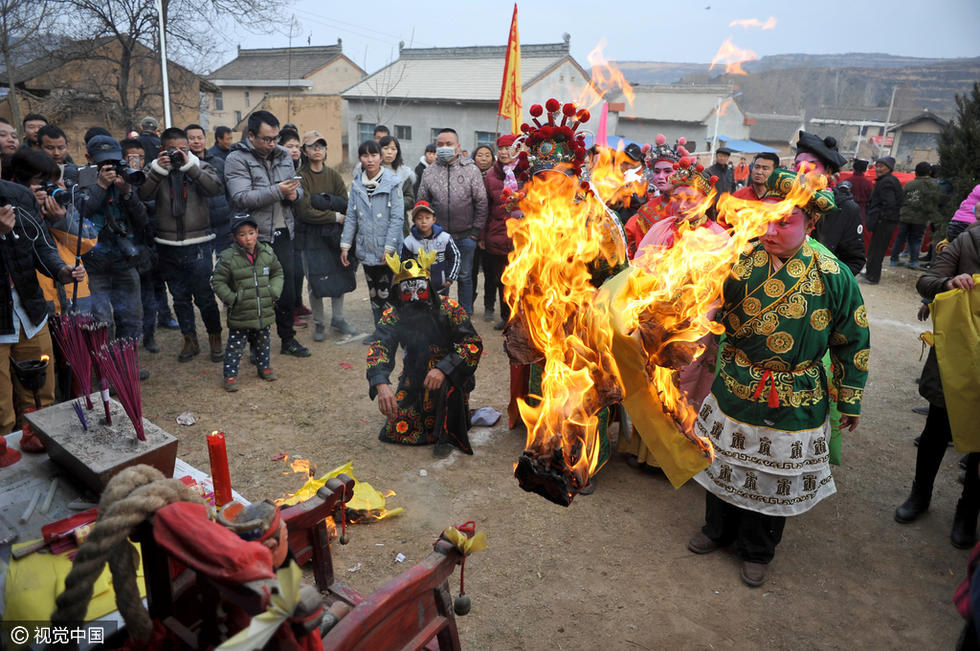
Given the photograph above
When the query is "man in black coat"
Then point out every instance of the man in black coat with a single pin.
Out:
(840, 230)
(884, 207)
(726, 177)
(25, 249)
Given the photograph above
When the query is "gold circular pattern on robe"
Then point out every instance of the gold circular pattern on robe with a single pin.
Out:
(743, 269)
(861, 359)
(774, 288)
(829, 264)
(735, 322)
(837, 339)
(861, 316)
(795, 268)
(779, 342)
(751, 306)
(760, 258)
(820, 318)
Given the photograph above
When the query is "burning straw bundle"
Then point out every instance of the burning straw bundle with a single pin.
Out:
(120, 364)
(96, 337)
(71, 340)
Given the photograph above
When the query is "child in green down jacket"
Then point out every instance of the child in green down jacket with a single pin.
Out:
(248, 279)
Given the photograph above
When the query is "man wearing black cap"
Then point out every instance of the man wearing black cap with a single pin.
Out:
(117, 213)
(840, 230)
(726, 177)
(884, 208)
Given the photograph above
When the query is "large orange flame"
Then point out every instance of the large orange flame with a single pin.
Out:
(733, 57)
(606, 77)
(565, 233)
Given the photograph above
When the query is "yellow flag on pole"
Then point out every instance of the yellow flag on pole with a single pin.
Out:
(510, 91)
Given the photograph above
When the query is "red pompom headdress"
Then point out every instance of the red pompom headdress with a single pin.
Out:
(660, 150)
(553, 145)
(691, 173)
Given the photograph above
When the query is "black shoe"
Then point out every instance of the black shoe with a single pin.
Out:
(144, 374)
(150, 344)
(867, 281)
(913, 507)
(964, 533)
(294, 348)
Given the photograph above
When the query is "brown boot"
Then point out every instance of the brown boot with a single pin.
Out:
(190, 350)
(217, 350)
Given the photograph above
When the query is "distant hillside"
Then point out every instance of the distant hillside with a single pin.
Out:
(789, 83)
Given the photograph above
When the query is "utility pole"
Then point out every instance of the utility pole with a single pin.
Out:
(163, 66)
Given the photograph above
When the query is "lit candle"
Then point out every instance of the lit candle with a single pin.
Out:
(218, 456)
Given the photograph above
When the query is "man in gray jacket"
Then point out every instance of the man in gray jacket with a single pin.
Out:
(180, 183)
(262, 182)
(454, 188)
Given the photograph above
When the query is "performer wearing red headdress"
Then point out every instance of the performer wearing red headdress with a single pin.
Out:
(662, 161)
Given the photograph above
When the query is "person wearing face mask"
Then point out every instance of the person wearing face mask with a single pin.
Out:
(785, 305)
(455, 190)
(441, 352)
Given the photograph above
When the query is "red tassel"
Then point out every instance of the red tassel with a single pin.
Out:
(773, 398)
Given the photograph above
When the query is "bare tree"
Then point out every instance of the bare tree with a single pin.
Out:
(124, 35)
(20, 24)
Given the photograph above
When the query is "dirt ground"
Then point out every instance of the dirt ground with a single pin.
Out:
(611, 571)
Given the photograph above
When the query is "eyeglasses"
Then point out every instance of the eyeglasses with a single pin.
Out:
(268, 139)
(317, 147)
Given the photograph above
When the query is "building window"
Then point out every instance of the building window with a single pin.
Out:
(403, 132)
(488, 138)
(365, 131)
(219, 102)
(433, 134)
(248, 99)
(238, 117)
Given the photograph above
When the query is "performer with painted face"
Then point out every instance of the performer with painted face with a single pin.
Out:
(662, 162)
(767, 414)
(431, 403)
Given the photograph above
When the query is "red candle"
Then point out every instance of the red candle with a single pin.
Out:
(218, 456)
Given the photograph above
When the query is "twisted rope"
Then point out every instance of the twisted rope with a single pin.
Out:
(131, 496)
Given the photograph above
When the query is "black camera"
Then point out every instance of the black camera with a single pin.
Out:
(59, 194)
(118, 234)
(131, 176)
(177, 158)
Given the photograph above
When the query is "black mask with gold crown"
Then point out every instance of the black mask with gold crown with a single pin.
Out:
(412, 278)
(553, 145)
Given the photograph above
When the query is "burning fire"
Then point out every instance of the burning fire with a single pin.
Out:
(606, 77)
(564, 235)
(733, 57)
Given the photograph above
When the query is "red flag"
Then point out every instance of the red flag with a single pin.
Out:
(510, 91)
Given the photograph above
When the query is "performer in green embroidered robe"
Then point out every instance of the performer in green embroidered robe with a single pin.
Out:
(431, 404)
(767, 414)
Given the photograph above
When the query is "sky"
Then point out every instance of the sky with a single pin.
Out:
(650, 30)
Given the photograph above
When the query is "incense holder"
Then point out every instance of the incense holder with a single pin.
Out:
(93, 457)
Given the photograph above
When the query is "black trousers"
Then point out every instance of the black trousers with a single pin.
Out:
(935, 438)
(282, 246)
(755, 534)
(379, 280)
(880, 238)
(493, 268)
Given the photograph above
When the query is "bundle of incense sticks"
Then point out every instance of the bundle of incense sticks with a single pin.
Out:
(96, 335)
(71, 340)
(120, 364)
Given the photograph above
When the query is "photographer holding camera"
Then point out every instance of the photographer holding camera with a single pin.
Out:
(116, 212)
(25, 248)
(181, 183)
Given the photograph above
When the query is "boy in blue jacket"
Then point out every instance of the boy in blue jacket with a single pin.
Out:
(428, 236)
